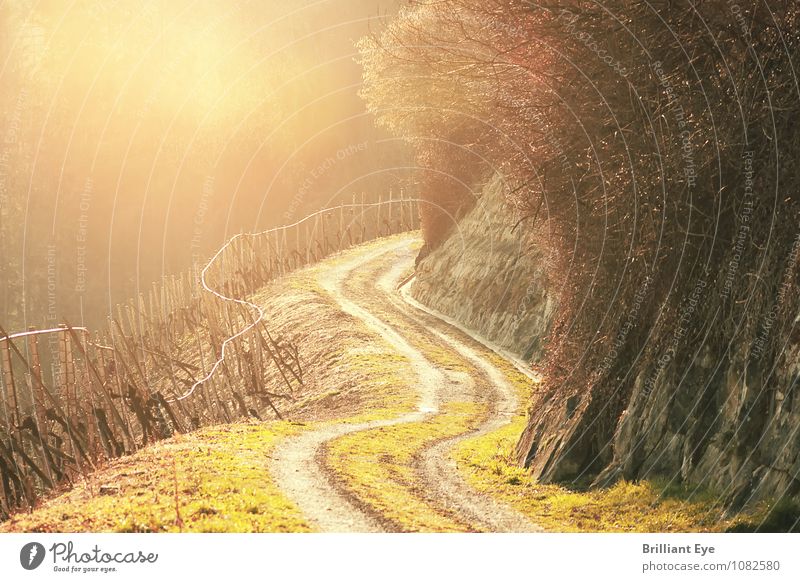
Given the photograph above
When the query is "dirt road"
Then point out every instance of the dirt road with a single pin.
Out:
(367, 286)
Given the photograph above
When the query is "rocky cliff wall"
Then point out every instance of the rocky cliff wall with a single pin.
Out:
(490, 279)
(726, 417)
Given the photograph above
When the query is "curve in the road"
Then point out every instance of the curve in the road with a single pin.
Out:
(298, 468)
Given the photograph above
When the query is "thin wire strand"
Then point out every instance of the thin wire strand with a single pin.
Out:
(253, 306)
(206, 287)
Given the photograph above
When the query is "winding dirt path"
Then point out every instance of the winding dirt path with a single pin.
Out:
(298, 464)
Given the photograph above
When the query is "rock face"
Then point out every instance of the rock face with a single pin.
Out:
(725, 431)
(486, 277)
(726, 416)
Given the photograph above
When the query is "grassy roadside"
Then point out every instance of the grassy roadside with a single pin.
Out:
(222, 475)
(377, 466)
(212, 480)
(647, 506)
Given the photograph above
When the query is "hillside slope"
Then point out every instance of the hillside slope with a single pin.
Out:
(218, 476)
(406, 423)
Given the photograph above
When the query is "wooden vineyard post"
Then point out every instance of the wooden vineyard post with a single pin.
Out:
(378, 215)
(61, 377)
(340, 236)
(324, 237)
(315, 234)
(405, 205)
(285, 246)
(409, 211)
(373, 213)
(297, 246)
(8, 379)
(155, 305)
(276, 252)
(279, 253)
(402, 211)
(351, 221)
(390, 211)
(363, 221)
(38, 387)
(279, 245)
(388, 220)
(306, 243)
(402, 221)
(352, 230)
(272, 253)
(376, 218)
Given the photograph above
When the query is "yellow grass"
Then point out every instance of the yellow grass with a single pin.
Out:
(377, 467)
(213, 480)
(647, 506)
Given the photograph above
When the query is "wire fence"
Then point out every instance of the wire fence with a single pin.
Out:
(193, 351)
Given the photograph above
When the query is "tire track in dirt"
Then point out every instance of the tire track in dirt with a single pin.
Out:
(298, 465)
(436, 465)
